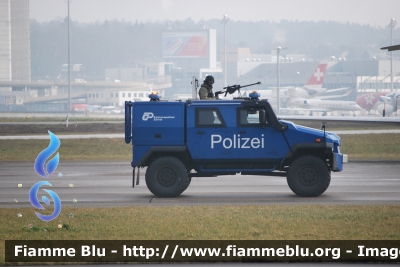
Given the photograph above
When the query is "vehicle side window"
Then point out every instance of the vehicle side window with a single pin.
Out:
(210, 117)
(248, 117)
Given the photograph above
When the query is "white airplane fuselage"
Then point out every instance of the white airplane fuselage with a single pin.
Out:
(325, 105)
(302, 92)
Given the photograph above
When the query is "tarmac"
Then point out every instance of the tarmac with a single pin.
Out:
(83, 136)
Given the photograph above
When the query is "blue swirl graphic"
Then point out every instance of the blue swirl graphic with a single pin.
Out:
(46, 200)
(45, 154)
(52, 164)
(35, 202)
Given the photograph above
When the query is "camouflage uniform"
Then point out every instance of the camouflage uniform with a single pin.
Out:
(205, 92)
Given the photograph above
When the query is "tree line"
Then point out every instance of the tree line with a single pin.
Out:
(112, 44)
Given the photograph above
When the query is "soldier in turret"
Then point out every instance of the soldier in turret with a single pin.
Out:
(205, 92)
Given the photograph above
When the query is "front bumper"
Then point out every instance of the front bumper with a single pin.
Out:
(337, 162)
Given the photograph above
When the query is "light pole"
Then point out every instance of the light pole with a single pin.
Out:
(69, 62)
(392, 24)
(238, 75)
(224, 21)
(278, 100)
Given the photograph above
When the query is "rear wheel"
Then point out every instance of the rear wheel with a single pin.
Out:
(167, 177)
(308, 176)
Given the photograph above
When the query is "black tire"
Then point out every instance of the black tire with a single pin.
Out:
(187, 184)
(308, 176)
(167, 177)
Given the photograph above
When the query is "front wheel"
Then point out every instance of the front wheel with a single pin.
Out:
(167, 177)
(308, 176)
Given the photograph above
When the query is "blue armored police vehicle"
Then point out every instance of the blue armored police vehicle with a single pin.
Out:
(177, 141)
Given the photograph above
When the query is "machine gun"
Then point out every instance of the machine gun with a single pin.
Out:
(233, 88)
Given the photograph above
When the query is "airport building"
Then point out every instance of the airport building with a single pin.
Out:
(15, 61)
(118, 98)
(191, 54)
(185, 54)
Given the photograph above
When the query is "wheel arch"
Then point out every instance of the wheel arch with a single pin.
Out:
(318, 150)
(155, 152)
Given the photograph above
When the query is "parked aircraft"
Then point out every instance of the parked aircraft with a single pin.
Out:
(309, 97)
(319, 105)
(384, 102)
(298, 103)
(313, 87)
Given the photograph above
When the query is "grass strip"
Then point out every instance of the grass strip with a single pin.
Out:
(61, 129)
(70, 149)
(358, 147)
(272, 222)
(333, 126)
(371, 146)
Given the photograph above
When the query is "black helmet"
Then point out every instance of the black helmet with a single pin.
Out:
(209, 78)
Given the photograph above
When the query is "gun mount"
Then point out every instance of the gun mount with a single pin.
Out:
(233, 88)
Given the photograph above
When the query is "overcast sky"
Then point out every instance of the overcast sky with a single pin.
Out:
(372, 12)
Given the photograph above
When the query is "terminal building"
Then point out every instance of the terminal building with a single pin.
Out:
(15, 59)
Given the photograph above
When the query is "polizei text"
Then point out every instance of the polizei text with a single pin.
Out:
(237, 142)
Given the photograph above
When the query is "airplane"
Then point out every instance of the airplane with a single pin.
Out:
(319, 105)
(385, 103)
(299, 103)
(313, 87)
(310, 90)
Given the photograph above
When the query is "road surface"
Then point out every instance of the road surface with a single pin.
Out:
(110, 184)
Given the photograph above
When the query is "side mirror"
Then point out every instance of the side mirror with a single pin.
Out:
(262, 118)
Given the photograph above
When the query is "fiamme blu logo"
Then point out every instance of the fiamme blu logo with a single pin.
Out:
(45, 169)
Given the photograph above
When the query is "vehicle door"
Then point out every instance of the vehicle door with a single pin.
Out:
(255, 141)
(207, 126)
